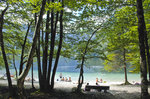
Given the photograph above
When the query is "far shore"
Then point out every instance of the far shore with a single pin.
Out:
(117, 90)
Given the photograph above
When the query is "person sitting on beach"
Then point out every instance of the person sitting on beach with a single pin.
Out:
(62, 79)
(85, 86)
(11, 75)
(5, 75)
(69, 79)
(66, 79)
(101, 80)
(97, 80)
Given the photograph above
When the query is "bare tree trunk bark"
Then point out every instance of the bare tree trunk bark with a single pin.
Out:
(59, 46)
(32, 76)
(44, 67)
(15, 66)
(143, 67)
(52, 44)
(39, 68)
(48, 77)
(38, 56)
(148, 55)
(81, 77)
(45, 49)
(125, 67)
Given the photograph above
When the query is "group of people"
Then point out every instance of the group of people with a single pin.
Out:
(99, 81)
(65, 78)
(5, 76)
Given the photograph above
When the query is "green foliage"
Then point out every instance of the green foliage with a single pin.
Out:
(54, 6)
(1, 61)
(135, 62)
(121, 34)
(113, 62)
(117, 32)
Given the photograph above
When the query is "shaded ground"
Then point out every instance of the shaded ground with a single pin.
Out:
(65, 92)
(58, 94)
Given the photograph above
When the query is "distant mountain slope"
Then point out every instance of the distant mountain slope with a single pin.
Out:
(69, 65)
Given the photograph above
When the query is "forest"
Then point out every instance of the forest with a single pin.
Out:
(116, 32)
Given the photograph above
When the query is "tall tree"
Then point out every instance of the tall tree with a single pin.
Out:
(3, 50)
(45, 49)
(52, 45)
(59, 47)
(81, 77)
(142, 32)
(20, 82)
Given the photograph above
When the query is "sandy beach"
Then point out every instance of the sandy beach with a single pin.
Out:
(117, 91)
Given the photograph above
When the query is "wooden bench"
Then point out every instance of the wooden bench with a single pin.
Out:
(97, 87)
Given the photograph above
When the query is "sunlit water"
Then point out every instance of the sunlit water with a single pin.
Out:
(111, 78)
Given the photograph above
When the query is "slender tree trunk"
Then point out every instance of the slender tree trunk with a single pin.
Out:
(125, 66)
(45, 50)
(44, 67)
(42, 38)
(48, 76)
(59, 47)
(20, 82)
(51, 46)
(3, 51)
(32, 76)
(148, 55)
(39, 69)
(38, 55)
(15, 66)
(81, 77)
(23, 48)
(143, 67)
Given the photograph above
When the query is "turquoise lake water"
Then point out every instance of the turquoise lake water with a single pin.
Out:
(89, 77)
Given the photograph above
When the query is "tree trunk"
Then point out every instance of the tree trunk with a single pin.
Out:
(125, 67)
(52, 44)
(143, 67)
(23, 48)
(44, 67)
(57, 57)
(32, 76)
(21, 78)
(81, 77)
(38, 55)
(3, 51)
(59, 46)
(39, 68)
(45, 50)
(148, 55)
(15, 66)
